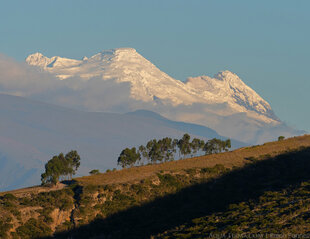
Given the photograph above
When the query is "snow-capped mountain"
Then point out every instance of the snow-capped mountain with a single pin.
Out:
(215, 99)
(149, 83)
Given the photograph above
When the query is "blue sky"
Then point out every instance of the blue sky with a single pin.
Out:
(265, 42)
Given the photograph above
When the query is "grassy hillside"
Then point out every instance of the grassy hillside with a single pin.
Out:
(257, 189)
(236, 158)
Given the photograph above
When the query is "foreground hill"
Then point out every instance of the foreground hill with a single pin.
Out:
(255, 189)
(223, 102)
(31, 132)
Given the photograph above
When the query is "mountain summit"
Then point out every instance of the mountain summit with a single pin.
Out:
(205, 100)
(149, 83)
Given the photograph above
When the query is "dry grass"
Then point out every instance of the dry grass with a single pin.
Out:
(25, 192)
(229, 159)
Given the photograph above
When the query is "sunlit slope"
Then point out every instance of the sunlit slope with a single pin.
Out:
(237, 157)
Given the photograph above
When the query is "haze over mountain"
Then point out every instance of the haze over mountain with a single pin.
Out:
(223, 102)
(31, 132)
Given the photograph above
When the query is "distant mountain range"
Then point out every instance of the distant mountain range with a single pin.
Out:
(31, 132)
(223, 102)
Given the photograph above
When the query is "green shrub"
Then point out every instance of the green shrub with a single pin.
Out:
(5, 226)
(9, 197)
(119, 202)
(33, 229)
(218, 168)
(94, 172)
(61, 199)
(252, 159)
(26, 201)
(169, 180)
(191, 171)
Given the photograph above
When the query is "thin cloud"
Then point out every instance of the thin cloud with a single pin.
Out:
(94, 94)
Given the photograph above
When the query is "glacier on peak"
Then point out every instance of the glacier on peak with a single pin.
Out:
(38, 59)
(228, 87)
(223, 99)
(148, 82)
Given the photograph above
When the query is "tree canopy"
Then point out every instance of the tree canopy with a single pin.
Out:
(184, 145)
(60, 167)
(128, 157)
(217, 146)
(165, 149)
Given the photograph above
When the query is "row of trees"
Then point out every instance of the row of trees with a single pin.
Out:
(60, 167)
(167, 149)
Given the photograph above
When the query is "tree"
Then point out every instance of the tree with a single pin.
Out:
(196, 145)
(154, 151)
(184, 145)
(143, 152)
(53, 170)
(216, 146)
(158, 151)
(227, 144)
(60, 167)
(128, 157)
(164, 150)
(73, 159)
(280, 138)
(169, 148)
(210, 147)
